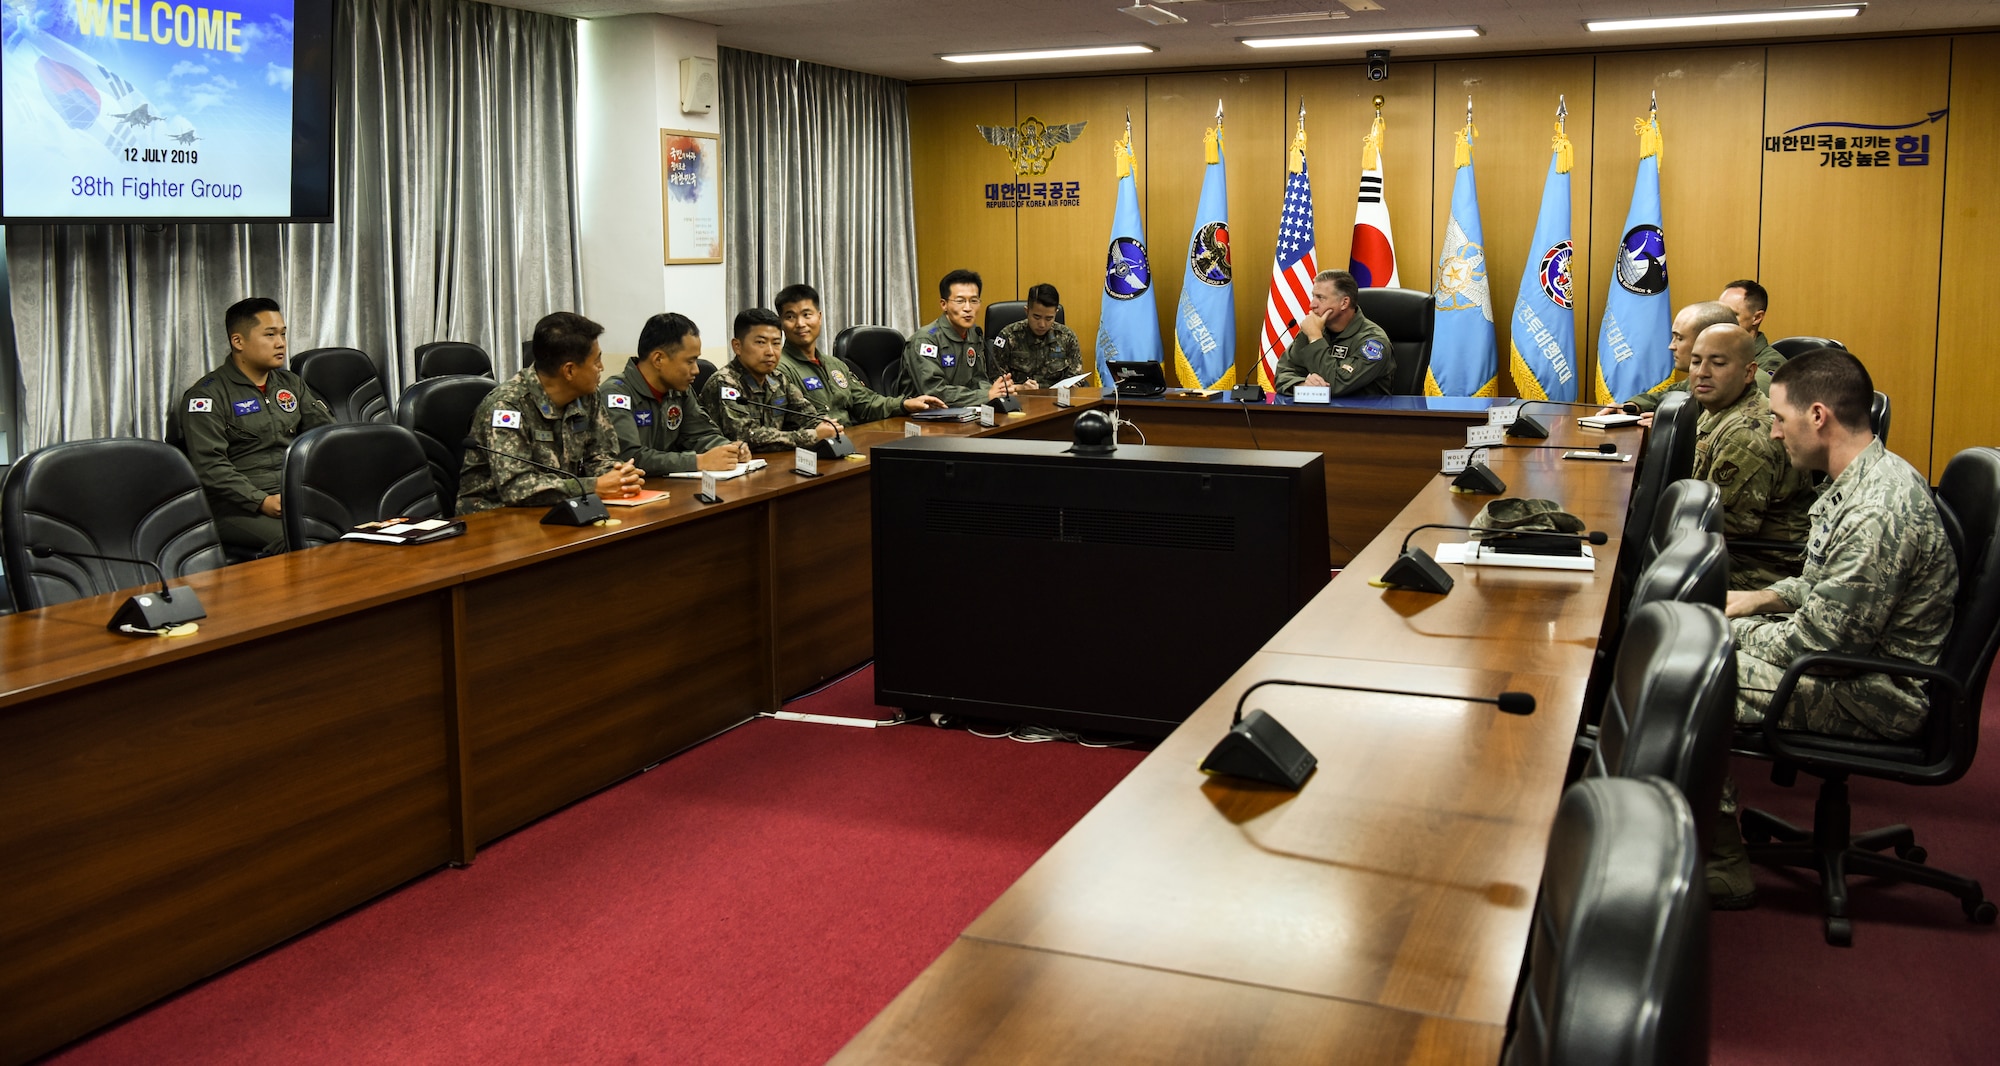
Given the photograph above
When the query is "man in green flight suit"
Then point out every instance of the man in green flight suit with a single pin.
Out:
(828, 385)
(1336, 344)
(942, 359)
(1763, 497)
(1038, 351)
(754, 403)
(1749, 300)
(549, 413)
(238, 422)
(661, 429)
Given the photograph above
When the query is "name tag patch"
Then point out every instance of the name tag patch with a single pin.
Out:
(814, 384)
(247, 407)
(619, 401)
(202, 405)
(642, 418)
(506, 419)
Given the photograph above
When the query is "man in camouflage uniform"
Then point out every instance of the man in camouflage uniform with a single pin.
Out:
(238, 422)
(1688, 324)
(1750, 300)
(1038, 351)
(827, 385)
(777, 416)
(661, 429)
(1879, 580)
(550, 413)
(1763, 497)
(1336, 344)
(942, 359)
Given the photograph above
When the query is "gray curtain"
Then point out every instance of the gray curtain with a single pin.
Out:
(816, 165)
(454, 219)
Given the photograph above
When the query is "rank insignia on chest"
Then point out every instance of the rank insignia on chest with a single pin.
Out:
(1372, 351)
(813, 384)
(286, 401)
(928, 351)
(506, 419)
(730, 394)
(618, 400)
(642, 419)
(839, 380)
(201, 405)
(674, 416)
(247, 407)
(548, 435)
(1340, 351)
(949, 360)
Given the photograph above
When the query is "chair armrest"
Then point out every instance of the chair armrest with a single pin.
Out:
(1782, 695)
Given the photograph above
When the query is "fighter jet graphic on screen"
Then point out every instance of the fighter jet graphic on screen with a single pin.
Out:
(187, 137)
(81, 91)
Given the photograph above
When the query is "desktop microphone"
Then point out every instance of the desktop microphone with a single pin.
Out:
(1480, 479)
(1003, 404)
(1416, 571)
(1260, 749)
(1524, 426)
(582, 509)
(144, 611)
(835, 447)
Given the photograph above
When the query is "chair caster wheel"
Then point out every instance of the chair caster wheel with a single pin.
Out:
(1914, 853)
(1839, 932)
(1982, 912)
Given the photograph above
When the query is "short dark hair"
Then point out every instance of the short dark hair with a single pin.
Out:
(751, 317)
(1754, 296)
(959, 277)
(1832, 377)
(1343, 283)
(665, 332)
(243, 314)
(562, 338)
(1044, 295)
(792, 294)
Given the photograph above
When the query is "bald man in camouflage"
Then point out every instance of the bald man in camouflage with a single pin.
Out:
(1763, 496)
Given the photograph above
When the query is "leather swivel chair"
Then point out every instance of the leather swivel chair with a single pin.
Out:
(1671, 708)
(704, 370)
(1668, 457)
(1793, 347)
(439, 412)
(347, 381)
(1690, 505)
(878, 351)
(1693, 569)
(1878, 416)
(1618, 956)
(1007, 312)
(441, 358)
(1407, 316)
(339, 476)
(110, 496)
(1969, 501)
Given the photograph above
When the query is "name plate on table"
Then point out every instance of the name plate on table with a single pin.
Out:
(1477, 435)
(806, 462)
(912, 429)
(1062, 396)
(1503, 416)
(986, 416)
(708, 487)
(1313, 394)
(1457, 459)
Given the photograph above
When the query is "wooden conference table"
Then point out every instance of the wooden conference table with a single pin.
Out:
(1381, 914)
(351, 717)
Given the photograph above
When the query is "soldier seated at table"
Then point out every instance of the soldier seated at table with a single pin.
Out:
(1336, 345)
(1750, 301)
(1879, 580)
(1038, 351)
(942, 359)
(1763, 496)
(549, 413)
(826, 383)
(239, 421)
(754, 403)
(1688, 324)
(661, 429)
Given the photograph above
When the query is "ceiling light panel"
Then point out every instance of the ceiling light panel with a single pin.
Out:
(1336, 40)
(1050, 53)
(1726, 18)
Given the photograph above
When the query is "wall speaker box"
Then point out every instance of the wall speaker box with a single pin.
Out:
(697, 85)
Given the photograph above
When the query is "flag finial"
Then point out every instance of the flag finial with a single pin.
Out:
(1378, 106)
(1562, 108)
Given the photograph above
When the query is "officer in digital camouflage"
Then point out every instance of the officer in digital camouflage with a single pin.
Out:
(238, 422)
(754, 403)
(943, 360)
(829, 386)
(661, 429)
(1879, 580)
(1038, 351)
(549, 412)
(1763, 497)
(1750, 300)
(1336, 344)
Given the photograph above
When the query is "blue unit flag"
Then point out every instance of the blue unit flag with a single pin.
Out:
(1465, 358)
(1632, 346)
(1205, 321)
(1541, 342)
(1128, 328)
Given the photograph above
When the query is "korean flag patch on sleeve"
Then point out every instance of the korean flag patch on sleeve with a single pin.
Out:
(928, 351)
(200, 405)
(506, 419)
(730, 394)
(618, 400)
(1373, 350)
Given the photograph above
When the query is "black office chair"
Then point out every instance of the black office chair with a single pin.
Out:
(346, 380)
(1618, 960)
(1969, 494)
(1878, 416)
(1793, 347)
(1671, 708)
(1668, 457)
(111, 496)
(1693, 569)
(439, 411)
(339, 476)
(1407, 316)
(1005, 313)
(706, 370)
(878, 351)
(443, 358)
(1690, 505)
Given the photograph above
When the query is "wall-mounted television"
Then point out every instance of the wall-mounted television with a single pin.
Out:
(166, 111)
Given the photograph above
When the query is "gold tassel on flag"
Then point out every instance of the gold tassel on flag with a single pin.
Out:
(1565, 153)
(1461, 153)
(1371, 145)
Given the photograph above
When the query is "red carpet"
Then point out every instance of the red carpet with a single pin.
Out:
(755, 900)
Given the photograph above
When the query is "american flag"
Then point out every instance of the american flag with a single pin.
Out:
(1292, 272)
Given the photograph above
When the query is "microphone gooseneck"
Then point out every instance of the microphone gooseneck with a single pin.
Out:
(1508, 702)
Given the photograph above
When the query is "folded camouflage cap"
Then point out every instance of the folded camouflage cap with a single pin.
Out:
(1526, 515)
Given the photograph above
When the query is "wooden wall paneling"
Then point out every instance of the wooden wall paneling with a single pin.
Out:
(1064, 246)
(1257, 129)
(1514, 109)
(1339, 109)
(1968, 376)
(1711, 116)
(951, 165)
(1852, 252)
